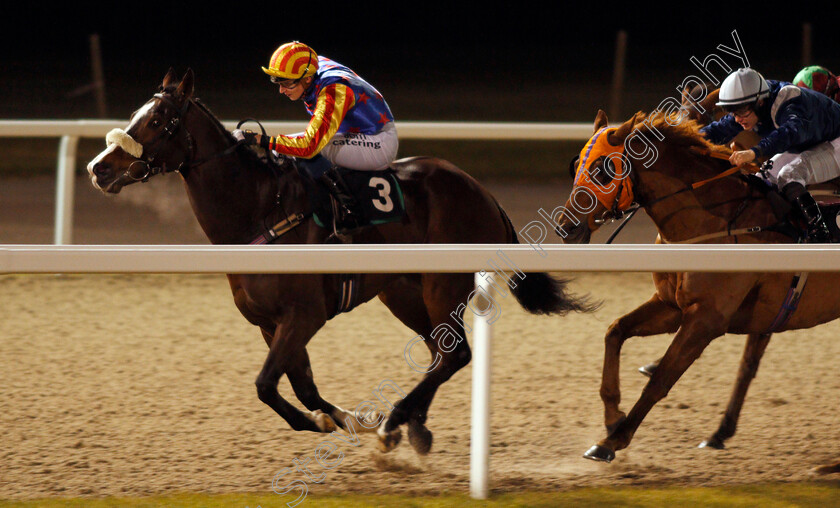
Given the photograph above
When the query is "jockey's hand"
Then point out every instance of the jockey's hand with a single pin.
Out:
(742, 157)
(250, 137)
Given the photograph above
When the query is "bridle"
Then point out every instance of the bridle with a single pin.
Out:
(150, 151)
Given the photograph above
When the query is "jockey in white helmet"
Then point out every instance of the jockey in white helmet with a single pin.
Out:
(800, 132)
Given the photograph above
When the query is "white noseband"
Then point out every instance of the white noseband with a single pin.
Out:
(123, 140)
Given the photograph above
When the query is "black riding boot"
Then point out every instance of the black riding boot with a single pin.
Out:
(798, 196)
(350, 220)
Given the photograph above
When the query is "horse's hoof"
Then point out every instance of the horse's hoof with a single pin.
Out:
(324, 422)
(712, 442)
(599, 453)
(419, 437)
(372, 421)
(647, 370)
(828, 469)
(388, 440)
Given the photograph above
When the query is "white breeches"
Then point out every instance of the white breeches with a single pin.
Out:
(363, 152)
(815, 165)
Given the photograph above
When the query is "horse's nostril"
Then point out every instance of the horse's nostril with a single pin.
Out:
(101, 170)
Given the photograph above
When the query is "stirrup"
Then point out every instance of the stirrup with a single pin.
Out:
(819, 232)
(347, 217)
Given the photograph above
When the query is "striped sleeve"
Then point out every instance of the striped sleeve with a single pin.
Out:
(333, 103)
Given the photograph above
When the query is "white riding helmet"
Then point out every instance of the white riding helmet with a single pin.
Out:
(744, 86)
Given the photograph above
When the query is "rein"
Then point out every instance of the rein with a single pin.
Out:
(741, 208)
(170, 130)
(690, 188)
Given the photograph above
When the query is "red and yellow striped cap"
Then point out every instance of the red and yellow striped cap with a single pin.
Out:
(293, 60)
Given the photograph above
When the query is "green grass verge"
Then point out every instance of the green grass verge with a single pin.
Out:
(823, 494)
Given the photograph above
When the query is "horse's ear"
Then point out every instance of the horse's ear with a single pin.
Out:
(185, 89)
(169, 78)
(617, 138)
(601, 121)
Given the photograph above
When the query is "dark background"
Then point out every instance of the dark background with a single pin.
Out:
(431, 61)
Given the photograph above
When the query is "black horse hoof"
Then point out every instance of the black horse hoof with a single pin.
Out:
(599, 453)
(419, 437)
(712, 442)
(647, 370)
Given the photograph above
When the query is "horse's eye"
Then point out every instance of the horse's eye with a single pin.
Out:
(155, 122)
(609, 165)
(604, 169)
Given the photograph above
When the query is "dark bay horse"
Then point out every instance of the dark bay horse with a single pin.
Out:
(698, 307)
(235, 195)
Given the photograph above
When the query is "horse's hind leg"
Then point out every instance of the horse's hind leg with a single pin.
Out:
(405, 300)
(443, 333)
(753, 351)
(651, 318)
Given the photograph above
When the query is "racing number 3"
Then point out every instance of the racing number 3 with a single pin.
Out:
(383, 203)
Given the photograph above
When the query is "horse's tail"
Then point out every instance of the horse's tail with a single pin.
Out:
(540, 293)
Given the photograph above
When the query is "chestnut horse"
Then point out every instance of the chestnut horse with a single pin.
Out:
(700, 105)
(236, 195)
(698, 307)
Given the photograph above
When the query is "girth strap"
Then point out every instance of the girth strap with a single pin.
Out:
(797, 286)
(348, 293)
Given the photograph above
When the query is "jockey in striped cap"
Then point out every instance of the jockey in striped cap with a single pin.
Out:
(351, 125)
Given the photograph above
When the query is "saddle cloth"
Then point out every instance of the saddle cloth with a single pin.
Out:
(378, 194)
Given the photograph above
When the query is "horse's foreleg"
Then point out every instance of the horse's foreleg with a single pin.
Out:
(753, 351)
(651, 318)
(299, 372)
(700, 325)
(286, 345)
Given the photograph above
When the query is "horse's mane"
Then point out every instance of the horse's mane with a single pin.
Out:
(685, 133)
(251, 156)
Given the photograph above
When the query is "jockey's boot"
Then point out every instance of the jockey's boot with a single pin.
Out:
(350, 219)
(798, 196)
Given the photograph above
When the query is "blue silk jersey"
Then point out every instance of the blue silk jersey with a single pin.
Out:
(370, 111)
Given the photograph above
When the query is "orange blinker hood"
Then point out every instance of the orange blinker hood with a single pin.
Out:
(620, 187)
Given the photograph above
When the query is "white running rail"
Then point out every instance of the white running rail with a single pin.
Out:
(70, 131)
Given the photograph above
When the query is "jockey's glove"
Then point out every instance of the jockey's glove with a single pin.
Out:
(249, 137)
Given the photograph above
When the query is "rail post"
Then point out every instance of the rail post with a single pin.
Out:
(481, 358)
(64, 190)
